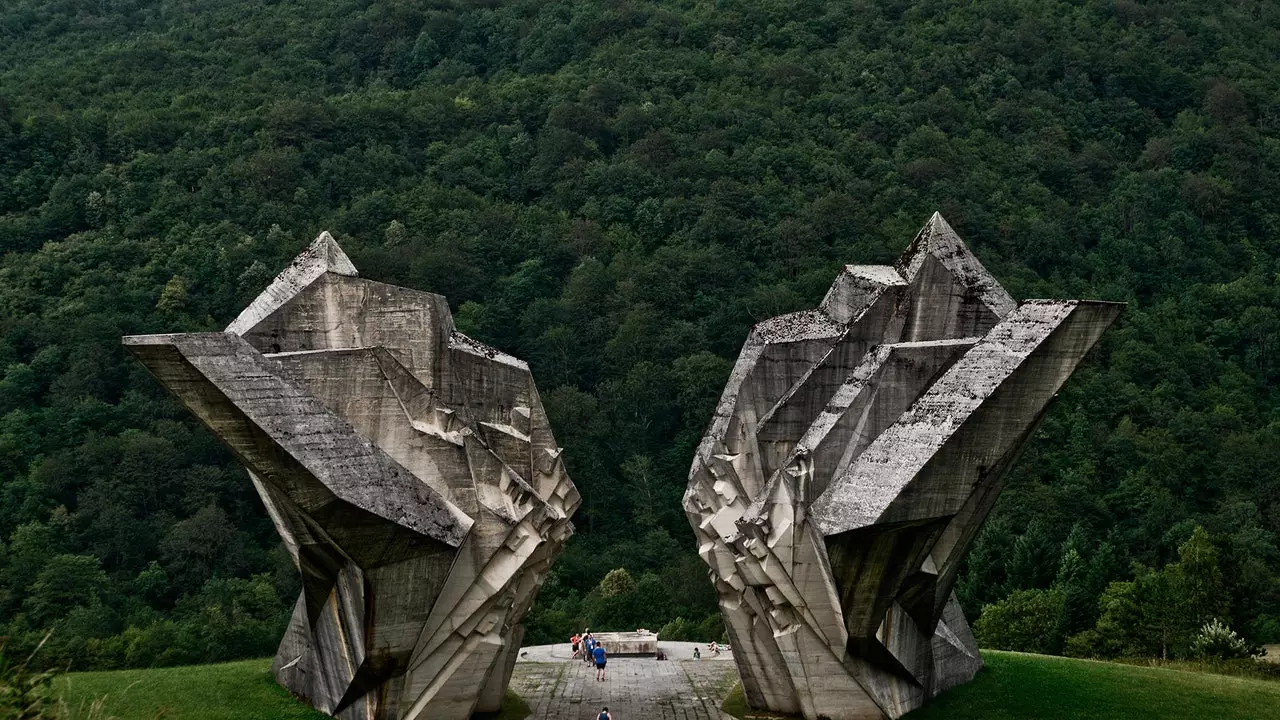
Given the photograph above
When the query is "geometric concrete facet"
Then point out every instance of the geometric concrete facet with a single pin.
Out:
(854, 455)
(410, 471)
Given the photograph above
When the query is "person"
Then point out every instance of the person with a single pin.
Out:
(573, 644)
(604, 714)
(697, 654)
(601, 659)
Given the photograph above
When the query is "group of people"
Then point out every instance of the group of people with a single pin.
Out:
(713, 646)
(586, 647)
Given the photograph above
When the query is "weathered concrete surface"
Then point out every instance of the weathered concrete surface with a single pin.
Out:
(855, 453)
(682, 688)
(627, 643)
(410, 471)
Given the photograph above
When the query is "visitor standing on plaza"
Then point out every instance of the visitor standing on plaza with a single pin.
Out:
(601, 658)
(573, 644)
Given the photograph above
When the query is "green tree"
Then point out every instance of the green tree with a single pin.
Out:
(1026, 621)
(65, 582)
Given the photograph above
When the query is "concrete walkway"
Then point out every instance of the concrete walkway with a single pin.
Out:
(559, 688)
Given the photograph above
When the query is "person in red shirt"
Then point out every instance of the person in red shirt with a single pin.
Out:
(573, 643)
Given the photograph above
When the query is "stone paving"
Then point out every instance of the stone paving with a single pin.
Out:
(642, 688)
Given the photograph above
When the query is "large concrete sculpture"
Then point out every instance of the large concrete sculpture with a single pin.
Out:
(410, 470)
(855, 453)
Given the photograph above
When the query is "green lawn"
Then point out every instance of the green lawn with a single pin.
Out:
(1016, 686)
(242, 690)
(1013, 687)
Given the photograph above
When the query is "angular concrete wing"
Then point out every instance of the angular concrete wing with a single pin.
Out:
(854, 456)
(410, 471)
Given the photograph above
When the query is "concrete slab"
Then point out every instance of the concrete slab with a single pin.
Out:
(558, 688)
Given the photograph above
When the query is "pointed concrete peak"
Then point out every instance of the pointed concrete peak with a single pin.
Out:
(940, 231)
(330, 253)
(939, 239)
(936, 237)
(322, 256)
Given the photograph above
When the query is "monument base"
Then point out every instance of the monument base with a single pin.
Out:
(628, 643)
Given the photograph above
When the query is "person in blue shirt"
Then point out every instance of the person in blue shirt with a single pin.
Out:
(599, 654)
(604, 715)
(590, 644)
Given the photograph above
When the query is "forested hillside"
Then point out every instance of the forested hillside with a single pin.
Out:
(615, 190)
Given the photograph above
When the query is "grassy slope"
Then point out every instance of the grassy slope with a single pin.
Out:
(1014, 686)
(241, 690)
(1017, 686)
(1037, 687)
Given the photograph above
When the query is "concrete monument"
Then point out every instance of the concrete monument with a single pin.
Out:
(617, 644)
(855, 453)
(410, 471)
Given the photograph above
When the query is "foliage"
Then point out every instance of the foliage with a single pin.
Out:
(24, 694)
(616, 191)
(679, 629)
(1216, 640)
(1158, 613)
(617, 582)
(1026, 621)
(1236, 667)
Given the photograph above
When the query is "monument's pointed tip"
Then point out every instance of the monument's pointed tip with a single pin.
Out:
(329, 252)
(939, 239)
(322, 256)
(938, 226)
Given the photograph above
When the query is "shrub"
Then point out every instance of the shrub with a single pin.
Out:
(712, 628)
(24, 694)
(617, 582)
(1266, 629)
(1216, 640)
(1026, 621)
(678, 629)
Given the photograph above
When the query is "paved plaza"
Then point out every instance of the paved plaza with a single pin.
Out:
(681, 688)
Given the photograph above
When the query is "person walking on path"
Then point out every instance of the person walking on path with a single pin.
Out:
(573, 644)
(589, 645)
(601, 658)
(604, 714)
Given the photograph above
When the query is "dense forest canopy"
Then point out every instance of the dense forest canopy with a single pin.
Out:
(615, 190)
